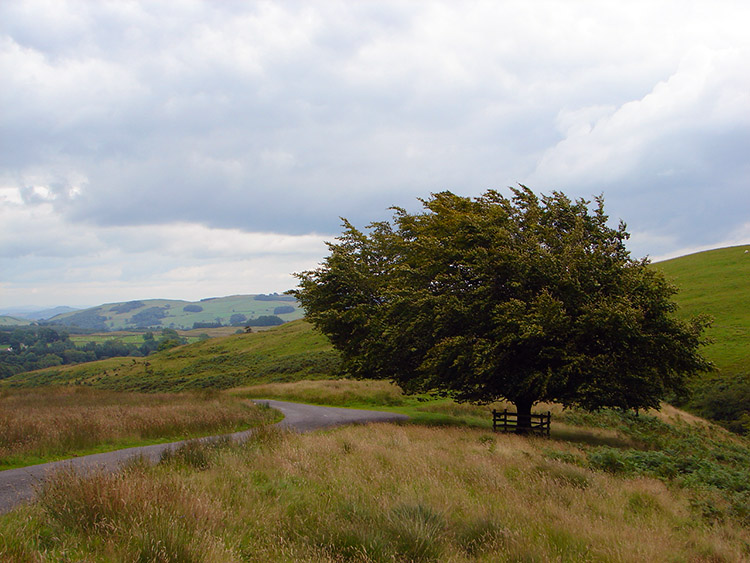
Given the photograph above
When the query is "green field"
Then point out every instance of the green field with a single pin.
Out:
(717, 283)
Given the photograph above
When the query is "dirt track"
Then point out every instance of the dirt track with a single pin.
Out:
(17, 485)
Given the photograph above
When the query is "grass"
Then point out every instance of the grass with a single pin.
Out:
(382, 493)
(57, 423)
(287, 353)
(378, 395)
(716, 283)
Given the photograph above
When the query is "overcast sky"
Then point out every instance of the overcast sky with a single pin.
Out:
(188, 149)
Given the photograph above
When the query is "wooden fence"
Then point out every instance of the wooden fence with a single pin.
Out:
(508, 422)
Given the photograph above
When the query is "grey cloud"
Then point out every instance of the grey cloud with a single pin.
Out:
(285, 116)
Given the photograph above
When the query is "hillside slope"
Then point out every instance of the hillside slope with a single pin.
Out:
(177, 314)
(717, 283)
(7, 320)
(287, 353)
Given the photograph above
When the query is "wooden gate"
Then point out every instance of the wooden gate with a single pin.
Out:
(508, 422)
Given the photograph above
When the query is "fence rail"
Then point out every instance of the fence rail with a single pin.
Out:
(509, 422)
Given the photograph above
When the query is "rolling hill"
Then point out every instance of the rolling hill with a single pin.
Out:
(713, 282)
(290, 352)
(7, 320)
(177, 314)
(717, 283)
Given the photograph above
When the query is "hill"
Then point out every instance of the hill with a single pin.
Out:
(717, 283)
(287, 353)
(177, 314)
(41, 314)
(7, 320)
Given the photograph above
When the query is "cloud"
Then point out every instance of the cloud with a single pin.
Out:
(233, 123)
(605, 145)
(92, 264)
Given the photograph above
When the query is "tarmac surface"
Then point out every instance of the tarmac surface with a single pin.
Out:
(19, 485)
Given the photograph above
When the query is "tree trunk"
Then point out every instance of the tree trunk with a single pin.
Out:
(523, 407)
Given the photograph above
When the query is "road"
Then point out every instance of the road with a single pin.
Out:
(18, 485)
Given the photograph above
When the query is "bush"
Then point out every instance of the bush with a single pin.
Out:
(725, 399)
(149, 317)
(266, 320)
(192, 308)
(283, 309)
(237, 319)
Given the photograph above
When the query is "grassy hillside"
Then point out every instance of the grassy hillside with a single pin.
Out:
(7, 320)
(717, 282)
(287, 353)
(170, 313)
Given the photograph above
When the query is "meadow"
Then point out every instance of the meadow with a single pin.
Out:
(715, 283)
(387, 493)
(59, 422)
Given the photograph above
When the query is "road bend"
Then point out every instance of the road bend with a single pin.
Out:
(19, 485)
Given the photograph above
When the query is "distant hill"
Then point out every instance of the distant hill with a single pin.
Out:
(290, 352)
(238, 310)
(717, 282)
(45, 314)
(7, 320)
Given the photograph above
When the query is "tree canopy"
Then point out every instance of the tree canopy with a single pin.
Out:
(528, 298)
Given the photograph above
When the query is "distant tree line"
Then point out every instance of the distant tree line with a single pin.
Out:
(30, 348)
(149, 317)
(127, 307)
(283, 309)
(238, 319)
(91, 319)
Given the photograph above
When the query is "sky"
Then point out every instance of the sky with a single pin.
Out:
(189, 149)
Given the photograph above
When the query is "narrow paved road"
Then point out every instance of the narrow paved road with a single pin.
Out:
(17, 485)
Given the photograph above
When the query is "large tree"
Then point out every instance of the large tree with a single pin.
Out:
(524, 298)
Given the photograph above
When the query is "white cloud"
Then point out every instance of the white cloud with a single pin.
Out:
(708, 90)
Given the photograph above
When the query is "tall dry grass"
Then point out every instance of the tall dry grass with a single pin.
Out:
(334, 392)
(384, 493)
(50, 423)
